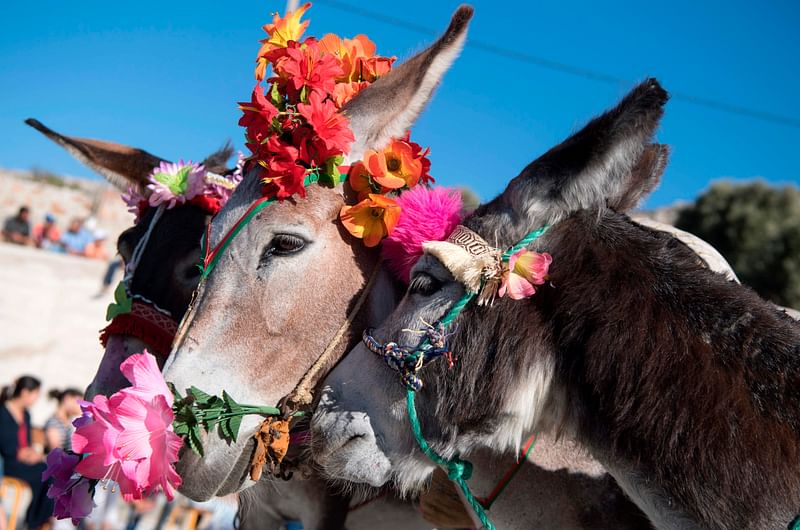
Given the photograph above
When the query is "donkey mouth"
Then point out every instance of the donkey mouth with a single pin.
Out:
(204, 478)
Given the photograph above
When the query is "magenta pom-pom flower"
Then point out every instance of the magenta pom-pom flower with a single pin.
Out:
(428, 215)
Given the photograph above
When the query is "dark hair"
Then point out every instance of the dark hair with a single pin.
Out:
(59, 395)
(23, 209)
(24, 382)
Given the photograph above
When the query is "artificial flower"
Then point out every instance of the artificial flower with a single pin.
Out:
(281, 32)
(257, 115)
(371, 219)
(402, 168)
(128, 437)
(281, 174)
(422, 155)
(174, 184)
(331, 126)
(298, 67)
(136, 203)
(344, 92)
(525, 269)
(75, 503)
(360, 180)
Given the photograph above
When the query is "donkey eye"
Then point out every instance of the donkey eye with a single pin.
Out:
(424, 284)
(284, 244)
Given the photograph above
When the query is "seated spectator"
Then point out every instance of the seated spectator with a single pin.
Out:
(20, 459)
(17, 228)
(76, 238)
(47, 235)
(97, 248)
(58, 429)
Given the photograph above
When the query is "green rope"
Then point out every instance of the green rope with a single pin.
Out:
(459, 471)
(524, 242)
(795, 525)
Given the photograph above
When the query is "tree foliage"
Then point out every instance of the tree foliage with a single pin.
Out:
(757, 228)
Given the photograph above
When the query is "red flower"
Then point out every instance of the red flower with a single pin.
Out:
(298, 66)
(257, 115)
(282, 175)
(331, 127)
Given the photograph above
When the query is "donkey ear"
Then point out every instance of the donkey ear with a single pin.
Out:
(217, 162)
(121, 165)
(643, 179)
(388, 107)
(609, 161)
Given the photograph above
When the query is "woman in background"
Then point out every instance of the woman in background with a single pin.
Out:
(20, 459)
(58, 429)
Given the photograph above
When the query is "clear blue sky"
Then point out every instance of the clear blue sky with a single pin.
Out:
(166, 75)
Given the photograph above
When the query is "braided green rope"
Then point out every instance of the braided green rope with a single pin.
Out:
(795, 525)
(459, 471)
(524, 242)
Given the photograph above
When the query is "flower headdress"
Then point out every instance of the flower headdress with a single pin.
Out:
(297, 136)
(174, 184)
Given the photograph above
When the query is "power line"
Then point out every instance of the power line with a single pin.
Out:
(516, 55)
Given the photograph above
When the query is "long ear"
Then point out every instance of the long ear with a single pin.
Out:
(121, 165)
(643, 179)
(610, 161)
(389, 106)
(217, 162)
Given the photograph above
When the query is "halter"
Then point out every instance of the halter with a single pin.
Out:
(408, 361)
(145, 320)
(301, 396)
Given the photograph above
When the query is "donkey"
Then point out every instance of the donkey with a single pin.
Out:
(682, 384)
(166, 275)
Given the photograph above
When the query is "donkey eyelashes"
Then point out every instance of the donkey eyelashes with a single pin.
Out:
(424, 284)
(282, 245)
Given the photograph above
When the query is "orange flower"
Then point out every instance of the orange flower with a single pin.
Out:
(394, 167)
(281, 31)
(359, 179)
(371, 219)
(344, 92)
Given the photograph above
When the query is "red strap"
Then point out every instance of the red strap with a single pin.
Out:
(509, 476)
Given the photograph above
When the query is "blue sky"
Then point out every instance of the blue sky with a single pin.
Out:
(165, 76)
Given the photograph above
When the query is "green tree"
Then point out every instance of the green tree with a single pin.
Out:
(757, 228)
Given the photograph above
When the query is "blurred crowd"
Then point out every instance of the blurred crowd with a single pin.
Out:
(81, 237)
(23, 452)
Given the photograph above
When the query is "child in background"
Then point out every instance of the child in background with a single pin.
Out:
(58, 429)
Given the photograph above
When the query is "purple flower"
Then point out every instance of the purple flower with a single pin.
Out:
(71, 492)
(76, 503)
(175, 184)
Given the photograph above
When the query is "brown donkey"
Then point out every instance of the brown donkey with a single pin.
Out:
(166, 276)
(684, 385)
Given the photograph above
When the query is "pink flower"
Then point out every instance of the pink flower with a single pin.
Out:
(175, 184)
(129, 437)
(525, 269)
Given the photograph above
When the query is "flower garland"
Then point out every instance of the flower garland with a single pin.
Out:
(297, 136)
(175, 184)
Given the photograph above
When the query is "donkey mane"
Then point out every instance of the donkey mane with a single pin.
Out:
(704, 391)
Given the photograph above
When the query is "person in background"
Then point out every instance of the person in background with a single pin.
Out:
(3, 516)
(17, 228)
(97, 248)
(47, 235)
(20, 459)
(76, 238)
(58, 429)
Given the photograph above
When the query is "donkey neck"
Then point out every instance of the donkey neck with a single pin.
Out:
(673, 376)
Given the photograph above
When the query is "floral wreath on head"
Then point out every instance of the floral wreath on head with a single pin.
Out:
(297, 136)
(175, 184)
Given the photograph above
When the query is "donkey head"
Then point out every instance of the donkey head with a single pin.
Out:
(284, 290)
(360, 428)
(167, 272)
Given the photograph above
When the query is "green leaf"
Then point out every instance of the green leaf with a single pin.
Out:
(122, 303)
(330, 175)
(201, 397)
(194, 440)
(304, 94)
(275, 96)
(233, 426)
